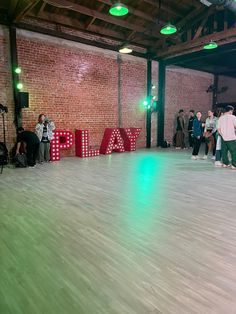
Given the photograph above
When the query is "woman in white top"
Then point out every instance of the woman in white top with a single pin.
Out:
(44, 130)
(210, 132)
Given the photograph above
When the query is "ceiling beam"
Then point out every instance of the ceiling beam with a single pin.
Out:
(192, 17)
(12, 8)
(70, 37)
(94, 29)
(133, 11)
(203, 22)
(164, 7)
(105, 17)
(24, 9)
(195, 45)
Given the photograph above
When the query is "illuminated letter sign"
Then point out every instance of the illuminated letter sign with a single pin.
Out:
(112, 141)
(129, 136)
(82, 145)
(62, 140)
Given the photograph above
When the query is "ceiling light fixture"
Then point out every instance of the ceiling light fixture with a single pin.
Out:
(168, 29)
(125, 50)
(210, 45)
(118, 9)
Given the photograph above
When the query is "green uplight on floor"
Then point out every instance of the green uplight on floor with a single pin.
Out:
(168, 29)
(19, 86)
(210, 45)
(118, 9)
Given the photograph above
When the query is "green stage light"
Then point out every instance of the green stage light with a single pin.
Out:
(168, 29)
(118, 9)
(145, 103)
(210, 45)
(19, 86)
(17, 70)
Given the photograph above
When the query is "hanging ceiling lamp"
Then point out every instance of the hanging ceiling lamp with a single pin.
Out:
(210, 45)
(118, 9)
(125, 49)
(168, 29)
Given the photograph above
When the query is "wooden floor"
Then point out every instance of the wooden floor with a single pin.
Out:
(133, 233)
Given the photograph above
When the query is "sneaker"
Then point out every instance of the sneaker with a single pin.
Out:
(194, 157)
(226, 166)
(218, 164)
(213, 158)
(204, 157)
(233, 167)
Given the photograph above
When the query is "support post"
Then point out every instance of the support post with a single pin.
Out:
(161, 102)
(149, 99)
(119, 61)
(216, 86)
(15, 76)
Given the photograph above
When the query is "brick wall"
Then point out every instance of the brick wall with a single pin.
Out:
(185, 89)
(77, 86)
(230, 94)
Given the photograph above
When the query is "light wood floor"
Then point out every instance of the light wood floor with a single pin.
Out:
(136, 233)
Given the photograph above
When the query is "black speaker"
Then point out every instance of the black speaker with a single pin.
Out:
(23, 100)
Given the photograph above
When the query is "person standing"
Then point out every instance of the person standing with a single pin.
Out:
(190, 128)
(197, 135)
(210, 132)
(180, 130)
(44, 130)
(32, 145)
(226, 128)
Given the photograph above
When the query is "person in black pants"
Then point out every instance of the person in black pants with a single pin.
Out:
(32, 145)
(190, 128)
(197, 134)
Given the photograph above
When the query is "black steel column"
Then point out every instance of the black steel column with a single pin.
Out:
(15, 76)
(149, 99)
(161, 103)
(214, 98)
(119, 62)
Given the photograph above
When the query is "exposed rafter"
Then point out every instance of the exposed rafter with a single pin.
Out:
(197, 44)
(165, 7)
(23, 9)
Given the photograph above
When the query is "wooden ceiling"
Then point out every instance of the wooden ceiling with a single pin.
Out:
(89, 21)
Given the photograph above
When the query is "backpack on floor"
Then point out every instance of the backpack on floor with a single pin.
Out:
(20, 161)
(3, 154)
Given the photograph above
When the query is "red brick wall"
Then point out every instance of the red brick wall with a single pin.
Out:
(229, 95)
(77, 86)
(185, 89)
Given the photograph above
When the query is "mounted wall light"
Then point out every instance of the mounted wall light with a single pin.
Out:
(125, 50)
(17, 70)
(168, 29)
(210, 45)
(118, 9)
(19, 86)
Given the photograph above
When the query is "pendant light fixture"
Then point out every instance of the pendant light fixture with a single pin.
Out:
(125, 49)
(168, 29)
(118, 9)
(210, 45)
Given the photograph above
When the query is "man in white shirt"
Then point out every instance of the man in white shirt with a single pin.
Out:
(226, 128)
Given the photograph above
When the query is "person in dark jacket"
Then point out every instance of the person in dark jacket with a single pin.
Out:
(190, 127)
(197, 134)
(180, 130)
(32, 145)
